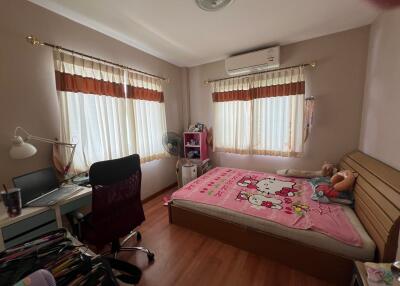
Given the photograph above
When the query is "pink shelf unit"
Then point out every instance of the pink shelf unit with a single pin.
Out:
(195, 145)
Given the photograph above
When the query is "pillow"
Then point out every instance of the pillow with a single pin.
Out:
(344, 197)
(324, 192)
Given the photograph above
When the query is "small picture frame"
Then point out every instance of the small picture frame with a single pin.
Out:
(200, 127)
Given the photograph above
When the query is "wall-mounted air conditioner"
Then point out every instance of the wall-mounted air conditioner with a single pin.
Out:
(253, 62)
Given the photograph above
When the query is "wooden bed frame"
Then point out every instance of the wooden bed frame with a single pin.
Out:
(377, 205)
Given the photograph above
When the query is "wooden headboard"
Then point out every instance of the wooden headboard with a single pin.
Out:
(377, 201)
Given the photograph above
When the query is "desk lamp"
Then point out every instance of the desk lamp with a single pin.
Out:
(21, 149)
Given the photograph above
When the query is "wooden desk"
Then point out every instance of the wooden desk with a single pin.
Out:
(34, 221)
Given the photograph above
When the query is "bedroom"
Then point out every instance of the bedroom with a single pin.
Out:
(353, 87)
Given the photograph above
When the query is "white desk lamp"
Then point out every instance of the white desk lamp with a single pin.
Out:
(21, 149)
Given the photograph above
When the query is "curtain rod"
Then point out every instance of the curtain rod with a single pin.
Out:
(312, 64)
(34, 41)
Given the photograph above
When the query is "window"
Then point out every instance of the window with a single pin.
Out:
(261, 114)
(108, 111)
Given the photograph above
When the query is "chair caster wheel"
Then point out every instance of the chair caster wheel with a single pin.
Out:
(150, 257)
(138, 236)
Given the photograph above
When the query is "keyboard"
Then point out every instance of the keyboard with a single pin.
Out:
(54, 196)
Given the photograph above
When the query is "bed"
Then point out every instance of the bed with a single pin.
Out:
(375, 218)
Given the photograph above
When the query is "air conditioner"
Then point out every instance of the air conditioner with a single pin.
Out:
(253, 62)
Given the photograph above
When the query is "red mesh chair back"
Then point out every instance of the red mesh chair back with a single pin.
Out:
(116, 202)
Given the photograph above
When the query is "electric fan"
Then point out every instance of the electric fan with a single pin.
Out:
(172, 143)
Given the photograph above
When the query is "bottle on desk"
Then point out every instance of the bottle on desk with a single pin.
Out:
(12, 201)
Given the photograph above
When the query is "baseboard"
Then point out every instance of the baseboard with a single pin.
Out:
(156, 194)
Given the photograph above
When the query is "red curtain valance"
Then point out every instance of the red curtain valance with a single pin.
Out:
(145, 94)
(77, 83)
(260, 92)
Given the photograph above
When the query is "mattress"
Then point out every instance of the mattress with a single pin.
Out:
(308, 237)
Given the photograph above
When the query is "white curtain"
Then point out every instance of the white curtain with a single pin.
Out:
(278, 125)
(97, 115)
(261, 114)
(232, 126)
(147, 122)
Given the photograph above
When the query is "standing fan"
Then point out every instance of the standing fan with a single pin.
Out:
(172, 143)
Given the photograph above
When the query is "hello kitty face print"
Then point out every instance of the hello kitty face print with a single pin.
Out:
(272, 186)
(269, 186)
(259, 201)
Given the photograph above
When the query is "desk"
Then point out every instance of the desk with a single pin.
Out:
(34, 221)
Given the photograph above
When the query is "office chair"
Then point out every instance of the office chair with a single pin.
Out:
(116, 205)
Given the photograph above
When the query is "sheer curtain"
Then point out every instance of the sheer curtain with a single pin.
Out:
(98, 114)
(261, 114)
(146, 113)
(232, 116)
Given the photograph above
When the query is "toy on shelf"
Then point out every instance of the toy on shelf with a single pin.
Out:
(198, 127)
(194, 154)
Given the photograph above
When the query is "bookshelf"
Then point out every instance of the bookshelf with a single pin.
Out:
(195, 145)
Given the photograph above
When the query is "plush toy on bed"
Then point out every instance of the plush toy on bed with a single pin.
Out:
(327, 170)
(338, 188)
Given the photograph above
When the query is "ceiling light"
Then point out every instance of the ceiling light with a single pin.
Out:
(213, 5)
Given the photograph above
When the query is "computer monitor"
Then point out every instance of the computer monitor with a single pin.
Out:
(35, 184)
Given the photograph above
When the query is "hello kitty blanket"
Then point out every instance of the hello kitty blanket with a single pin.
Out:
(280, 199)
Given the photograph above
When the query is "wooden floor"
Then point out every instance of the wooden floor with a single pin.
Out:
(184, 257)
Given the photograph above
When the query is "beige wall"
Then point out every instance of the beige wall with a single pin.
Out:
(380, 133)
(337, 83)
(27, 93)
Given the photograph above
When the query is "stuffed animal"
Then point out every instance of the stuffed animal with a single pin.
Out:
(336, 189)
(343, 180)
(327, 170)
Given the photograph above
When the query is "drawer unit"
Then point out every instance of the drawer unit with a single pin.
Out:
(52, 225)
(27, 226)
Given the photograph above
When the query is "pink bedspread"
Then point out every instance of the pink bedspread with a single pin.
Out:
(280, 199)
